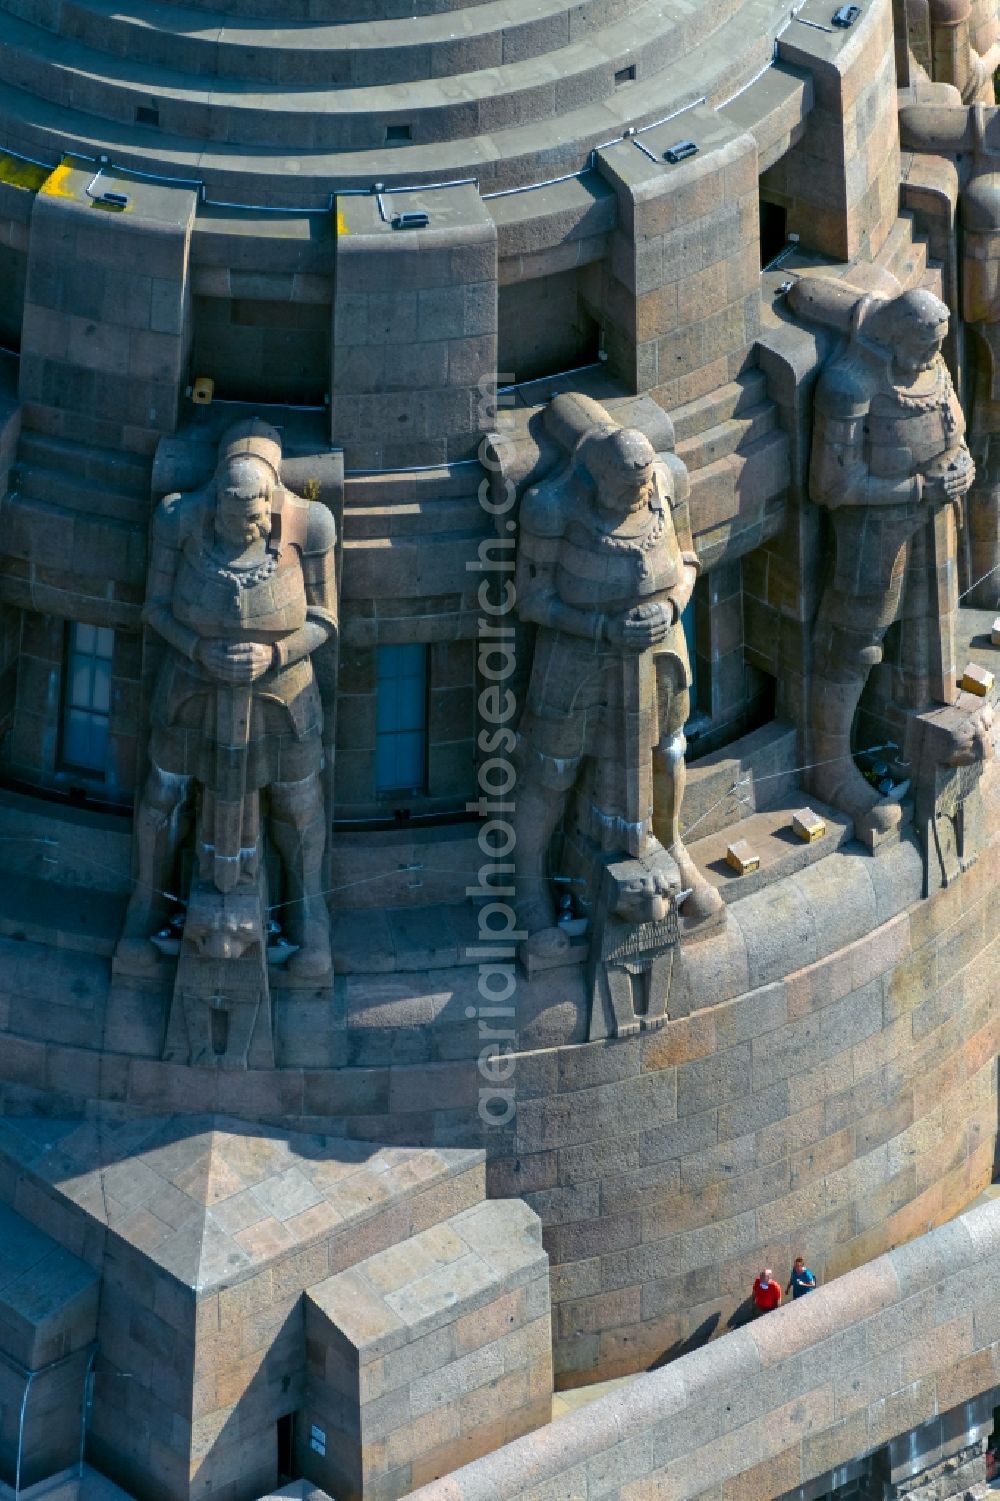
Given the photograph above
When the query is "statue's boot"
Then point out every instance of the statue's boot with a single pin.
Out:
(159, 831)
(298, 831)
(314, 960)
(669, 781)
(834, 776)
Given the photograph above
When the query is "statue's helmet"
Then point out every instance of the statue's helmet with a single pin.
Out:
(250, 458)
(915, 311)
(614, 456)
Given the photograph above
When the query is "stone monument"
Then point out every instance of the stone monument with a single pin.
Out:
(242, 590)
(971, 137)
(606, 565)
(891, 465)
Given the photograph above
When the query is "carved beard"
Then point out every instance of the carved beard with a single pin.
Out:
(248, 533)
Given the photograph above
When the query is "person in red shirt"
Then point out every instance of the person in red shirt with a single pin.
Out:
(766, 1292)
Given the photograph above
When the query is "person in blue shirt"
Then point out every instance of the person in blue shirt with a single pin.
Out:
(801, 1281)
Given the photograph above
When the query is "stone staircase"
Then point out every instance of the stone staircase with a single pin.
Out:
(737, 457)
(485, 90)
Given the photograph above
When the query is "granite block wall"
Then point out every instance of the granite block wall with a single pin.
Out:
(105, 337)
(414, 329)
(427, 1353)
(681, 298)
(814, 1092)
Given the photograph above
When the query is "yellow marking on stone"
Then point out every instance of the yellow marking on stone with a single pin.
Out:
(342, 228)
(56, 185)
(20, 174)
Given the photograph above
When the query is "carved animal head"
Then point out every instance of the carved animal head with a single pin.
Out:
(222, 932)
(972, 740)
(643, 899)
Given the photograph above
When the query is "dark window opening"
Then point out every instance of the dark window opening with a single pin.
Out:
(773, 230)
(13, 273)
(398, 135)
(286, 1449)
(625, 75)
(147, 114)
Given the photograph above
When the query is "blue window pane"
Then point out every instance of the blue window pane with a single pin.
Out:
(401, 718)
(101, 700)
(412, 704)
(87, 697)
(76, 737)
(80, 683)
(410, 760)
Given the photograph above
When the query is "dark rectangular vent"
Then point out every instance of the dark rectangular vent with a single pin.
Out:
(625, 75)
(396, 135)
(147, 114)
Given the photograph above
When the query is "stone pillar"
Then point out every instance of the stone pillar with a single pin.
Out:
(106, 332)
(840, 184)
(414, 329)
(681, 296)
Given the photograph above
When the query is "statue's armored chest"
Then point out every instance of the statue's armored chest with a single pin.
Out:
(904, 432)
(216, 599)
(608, 566)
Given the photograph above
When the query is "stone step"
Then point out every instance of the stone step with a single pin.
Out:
(769, 834)
(76, 918)
(903, 253)
(932, 279)
(122, 472)
(309, 113)
(280, 12)
(33, 122)
(728, 437)
(720, 405)
(431, 1352)
(67, 490)
(56, 536)
(337, 54)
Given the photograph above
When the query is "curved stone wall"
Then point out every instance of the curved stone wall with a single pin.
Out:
(834, 1108)
(271, 102)
(901, 1357)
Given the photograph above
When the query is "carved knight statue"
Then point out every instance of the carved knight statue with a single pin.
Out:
(605, 568)
(891, 465)
(971, 136)
(242, 590)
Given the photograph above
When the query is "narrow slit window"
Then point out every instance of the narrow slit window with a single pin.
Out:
(401, 719)
(87, 698)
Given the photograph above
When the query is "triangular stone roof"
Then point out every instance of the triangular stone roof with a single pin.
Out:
(212, 1199)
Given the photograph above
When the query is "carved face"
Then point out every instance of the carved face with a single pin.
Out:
(916, 347)
(243, 503)
(633, 490)
(621, 463)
